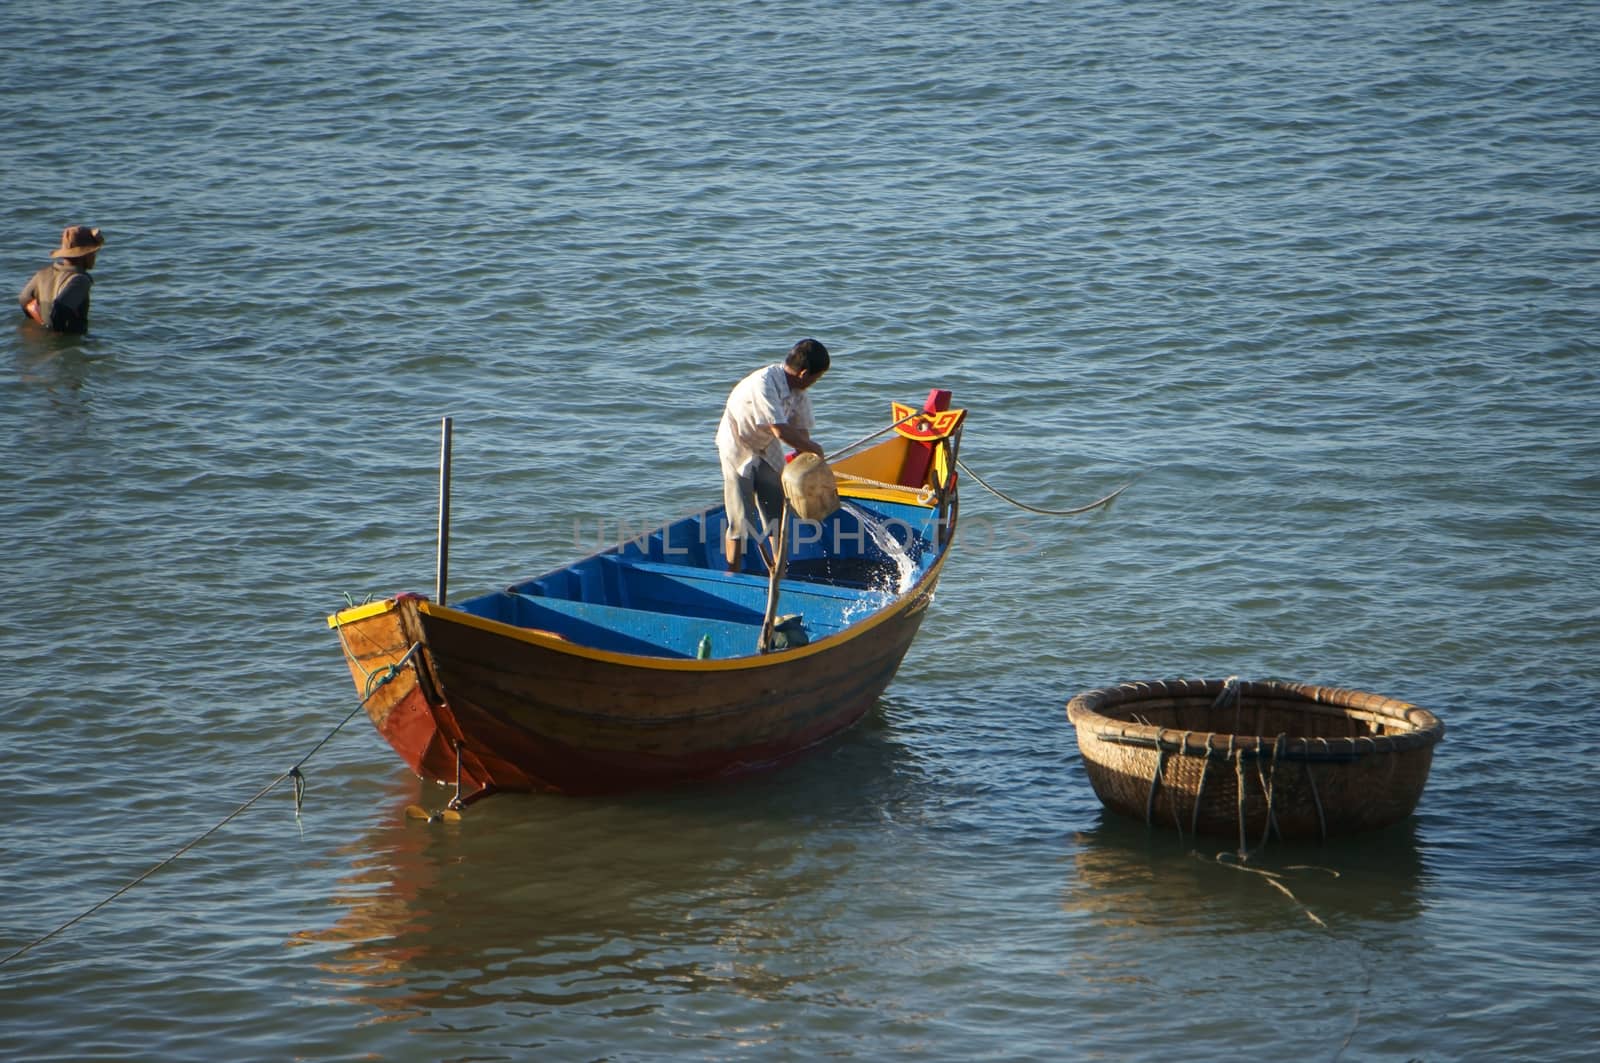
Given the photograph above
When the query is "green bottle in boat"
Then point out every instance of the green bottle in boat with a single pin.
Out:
(704, 651)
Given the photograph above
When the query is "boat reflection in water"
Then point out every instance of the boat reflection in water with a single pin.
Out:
(544, 904)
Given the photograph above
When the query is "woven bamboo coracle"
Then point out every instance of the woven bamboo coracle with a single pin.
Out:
(1220, 756)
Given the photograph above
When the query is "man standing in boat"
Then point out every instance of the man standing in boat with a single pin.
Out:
(766, 411)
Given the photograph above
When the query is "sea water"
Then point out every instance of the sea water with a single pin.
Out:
(1324, 275)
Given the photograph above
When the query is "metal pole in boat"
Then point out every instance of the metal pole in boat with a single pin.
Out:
(443, 568)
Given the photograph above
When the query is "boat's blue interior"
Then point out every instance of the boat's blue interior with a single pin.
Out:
(661, 593)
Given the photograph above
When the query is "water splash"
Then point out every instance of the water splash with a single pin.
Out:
(892, 548)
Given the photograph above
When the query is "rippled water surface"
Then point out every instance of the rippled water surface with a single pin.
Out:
(1322, 276)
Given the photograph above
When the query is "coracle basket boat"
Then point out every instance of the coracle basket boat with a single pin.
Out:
(1218, 756)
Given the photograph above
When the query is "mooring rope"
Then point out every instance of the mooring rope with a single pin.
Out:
(1096, 504)
(299, 791)
(1275, 880)
(848, 447)
(338, 628)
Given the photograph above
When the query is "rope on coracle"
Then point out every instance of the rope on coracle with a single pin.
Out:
(299, 791)
(1155, 784)
(1096, 504)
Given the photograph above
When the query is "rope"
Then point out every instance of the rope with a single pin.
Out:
(1155, 783)
(1275, 880)
(1230, 690)
(299, 791)
(848, 447)
(338, 628)
(375, 682)
(1177, 819)
(1200, 789)
(1238, 795)
(1269, 778)
(1097, 503)
(1311, 777)
(924, 495)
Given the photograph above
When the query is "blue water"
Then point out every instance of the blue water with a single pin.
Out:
(1321, 277)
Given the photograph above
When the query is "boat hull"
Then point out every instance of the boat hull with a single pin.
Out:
(502, 708)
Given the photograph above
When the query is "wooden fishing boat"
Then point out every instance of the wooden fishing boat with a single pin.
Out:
(641, 665)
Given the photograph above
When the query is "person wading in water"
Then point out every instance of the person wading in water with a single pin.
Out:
(58, 295)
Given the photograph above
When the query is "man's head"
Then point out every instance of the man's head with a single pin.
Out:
(806, 362)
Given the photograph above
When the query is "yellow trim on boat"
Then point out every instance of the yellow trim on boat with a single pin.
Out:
(886, 493)
(917, 597)
(360, 612)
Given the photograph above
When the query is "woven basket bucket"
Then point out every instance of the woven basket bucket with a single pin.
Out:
(1229, 757)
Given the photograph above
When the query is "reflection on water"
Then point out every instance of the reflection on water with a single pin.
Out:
(1128, 874)
(565, 907)
(1305, 933)
(56, 363)
(559, 902)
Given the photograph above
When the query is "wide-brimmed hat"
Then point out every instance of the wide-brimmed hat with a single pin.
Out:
(77, 241)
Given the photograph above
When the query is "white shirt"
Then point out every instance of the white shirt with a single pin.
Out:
(759, 401)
